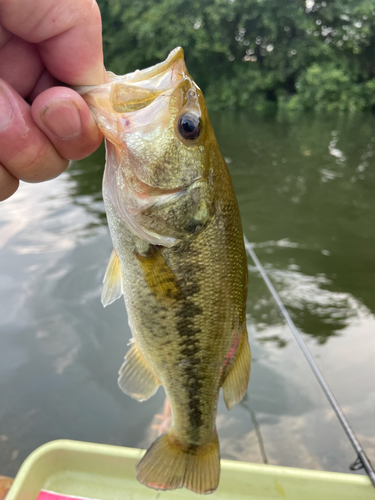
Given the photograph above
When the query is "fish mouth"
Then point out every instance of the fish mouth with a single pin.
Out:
(157, 77)
(136, 90)
(139, 89)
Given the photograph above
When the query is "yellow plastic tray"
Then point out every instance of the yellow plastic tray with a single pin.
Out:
(108, 473)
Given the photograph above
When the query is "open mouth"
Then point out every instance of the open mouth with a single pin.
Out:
(137, 90)
(157, 77)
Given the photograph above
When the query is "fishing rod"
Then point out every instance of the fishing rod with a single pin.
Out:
(362, 459)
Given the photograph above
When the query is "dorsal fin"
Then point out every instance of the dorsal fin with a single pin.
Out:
(112, 282)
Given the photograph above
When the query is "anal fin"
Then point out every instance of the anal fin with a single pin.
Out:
(135, 376)
(112, 282)
(236, 382)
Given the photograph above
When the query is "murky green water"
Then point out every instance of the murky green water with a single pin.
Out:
(306, 194)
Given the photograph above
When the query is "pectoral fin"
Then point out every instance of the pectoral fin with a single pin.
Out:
(112, 282)
(158, 275)
(235, 383)
(135, 376)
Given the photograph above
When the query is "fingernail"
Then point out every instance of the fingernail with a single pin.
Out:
(62, 118)
(6, 111)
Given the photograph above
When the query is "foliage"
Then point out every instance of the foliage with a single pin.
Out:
(250, 53)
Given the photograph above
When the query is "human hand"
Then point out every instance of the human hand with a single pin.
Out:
(43, 125)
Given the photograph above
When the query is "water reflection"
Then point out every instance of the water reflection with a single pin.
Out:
(305, 191)
(245, 404)
(295, 217)
(320, 312)
(86, 190)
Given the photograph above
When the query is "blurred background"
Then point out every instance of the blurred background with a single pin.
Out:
(259, 54)
(290, 91)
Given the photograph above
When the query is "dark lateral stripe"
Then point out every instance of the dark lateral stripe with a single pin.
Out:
(190, 348)
(189, 344)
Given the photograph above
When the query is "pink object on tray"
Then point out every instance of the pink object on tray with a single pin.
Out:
(50, 495)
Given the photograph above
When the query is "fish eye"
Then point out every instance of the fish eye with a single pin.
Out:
(189, 126)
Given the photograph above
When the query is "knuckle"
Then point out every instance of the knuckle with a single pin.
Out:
(40, 164)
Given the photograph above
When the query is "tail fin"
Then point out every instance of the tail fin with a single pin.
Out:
(168, 464)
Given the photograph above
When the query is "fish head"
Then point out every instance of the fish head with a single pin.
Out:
(159, 137)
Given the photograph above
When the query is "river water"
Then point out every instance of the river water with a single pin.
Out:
(306, 194)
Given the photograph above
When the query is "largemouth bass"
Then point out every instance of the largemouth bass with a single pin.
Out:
(178, 260)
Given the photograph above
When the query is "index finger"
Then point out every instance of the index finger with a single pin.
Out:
(68, 34)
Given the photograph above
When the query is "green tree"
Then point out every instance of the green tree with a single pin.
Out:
(251, 53)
